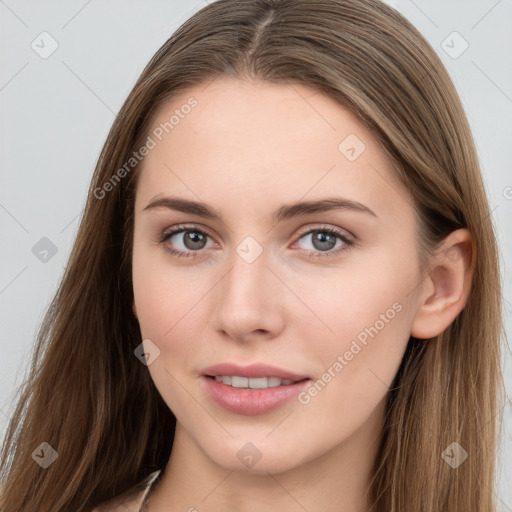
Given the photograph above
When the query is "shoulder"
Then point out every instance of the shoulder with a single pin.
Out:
(132, 500)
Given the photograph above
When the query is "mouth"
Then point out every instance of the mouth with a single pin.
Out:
(251, 390)
(237, 381)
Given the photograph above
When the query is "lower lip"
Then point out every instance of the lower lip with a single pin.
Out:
(251, 402)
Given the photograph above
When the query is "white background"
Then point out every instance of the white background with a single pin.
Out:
(56, 113)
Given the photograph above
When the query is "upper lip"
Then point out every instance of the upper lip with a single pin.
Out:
(252, 371)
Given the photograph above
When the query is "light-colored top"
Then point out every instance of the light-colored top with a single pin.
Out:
(133, 500)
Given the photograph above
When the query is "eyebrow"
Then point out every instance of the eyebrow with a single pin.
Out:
(284, 212)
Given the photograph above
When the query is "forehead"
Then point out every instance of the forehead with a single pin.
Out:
(254, 140)
(256, 112)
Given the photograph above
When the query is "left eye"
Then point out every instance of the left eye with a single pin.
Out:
(325, 239)
(194, 239)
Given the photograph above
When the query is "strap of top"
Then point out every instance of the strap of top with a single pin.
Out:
(133, 500)
(151, 479)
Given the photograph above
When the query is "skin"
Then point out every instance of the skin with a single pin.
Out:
(247, 148)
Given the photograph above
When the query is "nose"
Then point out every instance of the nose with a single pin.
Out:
(249, 302)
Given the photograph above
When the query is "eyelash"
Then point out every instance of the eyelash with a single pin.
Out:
(195, 229)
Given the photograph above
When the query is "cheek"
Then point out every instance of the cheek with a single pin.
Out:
(368, 313)
(168, 309)
(360, 301)
(167, 296)
(171, 313)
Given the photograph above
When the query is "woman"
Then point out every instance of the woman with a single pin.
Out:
(284, 292)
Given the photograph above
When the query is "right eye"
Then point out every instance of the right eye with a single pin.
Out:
(191, 238)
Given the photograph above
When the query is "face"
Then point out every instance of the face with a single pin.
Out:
(320, 296)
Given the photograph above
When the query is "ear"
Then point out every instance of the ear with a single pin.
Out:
(446, 289)
(134, 309)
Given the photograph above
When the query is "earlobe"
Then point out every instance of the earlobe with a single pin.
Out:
(446, 289)
(134, 309)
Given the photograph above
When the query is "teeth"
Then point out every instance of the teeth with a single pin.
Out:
(239, 382)
(258, 383)
(253, 383)
(273, 382)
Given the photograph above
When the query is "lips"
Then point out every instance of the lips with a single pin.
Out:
(251, 390)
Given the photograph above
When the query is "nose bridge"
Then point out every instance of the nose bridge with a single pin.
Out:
(244, 283)
(247, 299)
(248, 268)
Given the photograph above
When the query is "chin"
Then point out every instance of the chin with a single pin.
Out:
(255, 459)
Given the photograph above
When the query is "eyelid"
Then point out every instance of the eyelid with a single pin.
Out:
(179, 228)
(327, 227)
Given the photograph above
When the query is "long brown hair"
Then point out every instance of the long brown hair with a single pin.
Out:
(89, 397)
